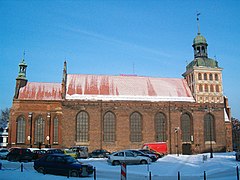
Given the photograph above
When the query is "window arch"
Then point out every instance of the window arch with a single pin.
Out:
(161, 127)
(217, 88)
(39, 130)
(209, 127)
(55, 130)
(186, 127)
(206, 88)
(21, 127)
(205, 76)
(216, 77)
(211, 88)
(135, 127)
(210, 76)
(109, 127)
(199, 76)
(200, 88)
(82, 127)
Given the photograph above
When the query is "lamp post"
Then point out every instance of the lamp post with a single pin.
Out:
(47, 138)
(176, 131)
(29, 139)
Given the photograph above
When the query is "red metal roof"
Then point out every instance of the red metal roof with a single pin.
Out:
(40, 91)
(90, 87)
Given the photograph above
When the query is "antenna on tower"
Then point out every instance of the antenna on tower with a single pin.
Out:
(198, 14)
(24, 54)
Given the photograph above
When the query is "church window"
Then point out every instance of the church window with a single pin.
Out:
(211, 88)
(39, 130)
(210, 77)
(206, 88)
(199, 76)
(21, 126)
(109, 127)
(135, 127)
(82, 127)
(216, 77)
(186, 127)
(161, 127)
(205, 76)
(55, 130)
(209, 127)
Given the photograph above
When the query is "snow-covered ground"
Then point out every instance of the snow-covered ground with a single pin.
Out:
(222, 166)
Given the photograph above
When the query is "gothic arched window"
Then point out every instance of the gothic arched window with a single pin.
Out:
(55, 130)
(39, 130)
(135, 127)
(186, 127)
(161, 127)
(82, 127)
(209, 127)
(21, 127)
(109, 127)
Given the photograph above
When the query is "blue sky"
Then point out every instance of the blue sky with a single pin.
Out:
(148, 38)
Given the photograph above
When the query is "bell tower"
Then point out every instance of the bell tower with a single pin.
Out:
(203, 75)
(21, 79)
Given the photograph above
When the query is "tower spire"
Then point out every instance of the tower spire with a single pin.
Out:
(198, 24)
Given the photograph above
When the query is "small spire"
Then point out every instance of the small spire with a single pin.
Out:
(198, 14)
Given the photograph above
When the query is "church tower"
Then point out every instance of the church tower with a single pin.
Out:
(21, 79)
(203, 75)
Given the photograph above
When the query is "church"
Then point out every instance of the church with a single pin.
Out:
(190, 114)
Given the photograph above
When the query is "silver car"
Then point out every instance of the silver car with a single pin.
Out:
(127, 157)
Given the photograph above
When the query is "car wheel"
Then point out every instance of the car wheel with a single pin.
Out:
(115, 163)
(143, 162)
(41, 170)
(73, 173)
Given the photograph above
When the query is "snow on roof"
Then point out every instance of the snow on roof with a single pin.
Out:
(103, 87)
(40, 91)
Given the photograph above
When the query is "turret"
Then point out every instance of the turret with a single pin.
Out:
(21, 79)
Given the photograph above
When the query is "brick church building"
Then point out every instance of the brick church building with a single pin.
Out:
(109, 112)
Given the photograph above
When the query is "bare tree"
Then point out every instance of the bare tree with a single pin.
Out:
(4, 117)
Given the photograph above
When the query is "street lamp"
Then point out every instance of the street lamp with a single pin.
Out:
(176, 131)
(48, 138)
(29, 139)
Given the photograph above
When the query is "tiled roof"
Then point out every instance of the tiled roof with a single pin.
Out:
(40, 91)
(103, 87)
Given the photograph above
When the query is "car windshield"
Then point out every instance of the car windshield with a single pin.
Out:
(70, 159)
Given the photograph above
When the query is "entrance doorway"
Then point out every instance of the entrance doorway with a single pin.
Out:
(186, 149)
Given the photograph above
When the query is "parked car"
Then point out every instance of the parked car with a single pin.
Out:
(99, 153)
(20, 154)
(55, 151)
(63, 165)
(153, 157)
(82, 151)
(3, 153)
(127, 157)
(147, 151)
(39, 153)
(70, 152)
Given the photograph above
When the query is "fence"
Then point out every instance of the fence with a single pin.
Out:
(21, 167)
